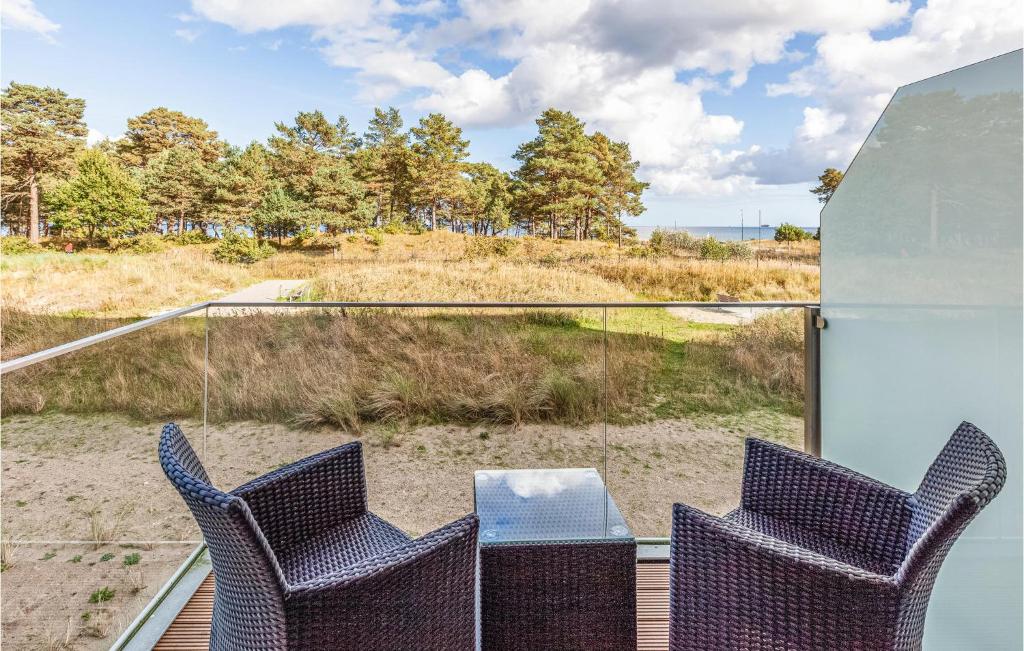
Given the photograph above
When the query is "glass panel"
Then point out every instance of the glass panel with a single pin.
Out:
(921, 289)
(686, 387)
(91, 527)
(432, 394)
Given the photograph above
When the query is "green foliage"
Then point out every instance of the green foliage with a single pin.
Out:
(17, 245)
(827, 184)
(145, 243)
(374, 236)
(131, 559)
(75, 559)
(101, 200)
(160, 129)
(48, 555)
(438, 152)
(491, 247)
(177, 184)
(674, 241)
(102, 595)
(236, 248)
(279, 214)
(339, 198)
(191, 237)
(713, 249)
(790, 233)
(106, 557)
(817, 235)
(642, 252)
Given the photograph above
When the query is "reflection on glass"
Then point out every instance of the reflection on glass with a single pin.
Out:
(922, 273)
(551, 504)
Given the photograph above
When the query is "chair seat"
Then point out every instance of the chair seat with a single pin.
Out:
(362, 537)
(809, 540)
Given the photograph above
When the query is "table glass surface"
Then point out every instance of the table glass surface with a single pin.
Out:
(566, 504)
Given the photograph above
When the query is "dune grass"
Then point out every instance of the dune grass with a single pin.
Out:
(347, 369)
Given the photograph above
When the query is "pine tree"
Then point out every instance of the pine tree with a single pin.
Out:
(438, 153)
(244, 178)
(487, 198)
(383, 165)
(41, 129)
(339, 199)
(559, 175)
(178, 186)
(620, 191)
(827, 184)
(102, 199)
(160, 129)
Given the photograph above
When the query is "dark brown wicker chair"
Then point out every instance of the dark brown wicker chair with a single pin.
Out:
(821, 557)
(300, 563)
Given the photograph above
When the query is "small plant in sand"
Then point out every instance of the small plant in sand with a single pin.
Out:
(131, 559)
(102, 595)
(103, 529)
(8, 555)
(134, 581)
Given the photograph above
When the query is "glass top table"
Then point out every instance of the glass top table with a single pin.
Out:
(565, 504)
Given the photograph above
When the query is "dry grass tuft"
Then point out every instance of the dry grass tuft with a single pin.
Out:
(771, 350)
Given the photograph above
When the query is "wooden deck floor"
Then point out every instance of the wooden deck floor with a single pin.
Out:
(191, 629)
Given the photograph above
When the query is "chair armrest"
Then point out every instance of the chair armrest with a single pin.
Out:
(857, 512)
(729, 585)
(420, 594)
(309, 496)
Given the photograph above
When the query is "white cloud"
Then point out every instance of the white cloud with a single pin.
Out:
(853, 76)
(274, 45)
(23, 15)
(189, 35)
(94, 136)
(637, 69)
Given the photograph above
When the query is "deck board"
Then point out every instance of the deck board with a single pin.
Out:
(190, 630)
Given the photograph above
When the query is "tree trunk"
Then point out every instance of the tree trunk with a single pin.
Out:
(181, 221)
(553, 233)
(433, 216)
(33, 206)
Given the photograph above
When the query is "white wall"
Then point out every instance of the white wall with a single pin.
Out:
(921, 289)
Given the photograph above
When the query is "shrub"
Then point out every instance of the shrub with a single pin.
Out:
(817, 235)
(374, 236)
(674, 241)
(17, 245)
(641, 251)
(189, 238)
(790, 233)
(131, 559)
(395, 228)
(241, 249)
(713, 249)
(145, 243)
(491, 247)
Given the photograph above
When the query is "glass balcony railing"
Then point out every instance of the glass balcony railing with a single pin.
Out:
(656, 397)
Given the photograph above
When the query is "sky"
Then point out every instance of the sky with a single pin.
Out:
(729, 106)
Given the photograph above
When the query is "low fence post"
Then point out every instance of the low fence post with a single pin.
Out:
(813, 325)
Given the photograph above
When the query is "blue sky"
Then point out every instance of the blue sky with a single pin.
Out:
(728, 106)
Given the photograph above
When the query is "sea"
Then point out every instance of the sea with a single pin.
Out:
(723, 233)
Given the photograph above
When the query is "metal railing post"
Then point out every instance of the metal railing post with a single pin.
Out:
(813, 325)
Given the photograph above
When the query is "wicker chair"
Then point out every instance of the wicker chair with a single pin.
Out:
(821, 557)
(299, 562)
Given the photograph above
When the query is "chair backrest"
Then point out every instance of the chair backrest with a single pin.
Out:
(968, 473)
(249, 601)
